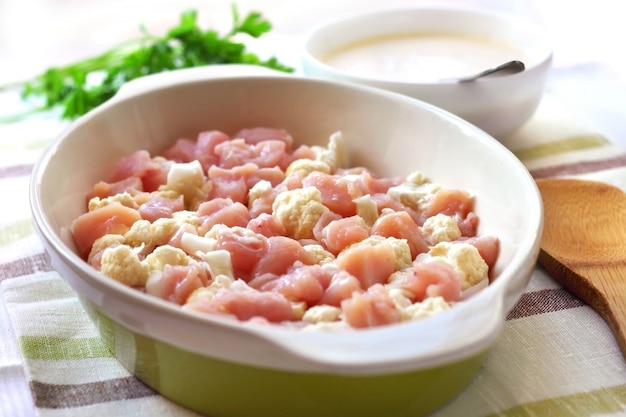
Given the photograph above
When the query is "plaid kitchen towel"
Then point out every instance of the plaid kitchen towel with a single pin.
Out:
(555, 357)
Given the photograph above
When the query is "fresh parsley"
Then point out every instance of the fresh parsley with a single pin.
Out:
(72, 88)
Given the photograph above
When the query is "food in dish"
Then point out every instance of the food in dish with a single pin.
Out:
(421, 57)
(251, 227)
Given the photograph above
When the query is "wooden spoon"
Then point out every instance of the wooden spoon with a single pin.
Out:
(583, 246)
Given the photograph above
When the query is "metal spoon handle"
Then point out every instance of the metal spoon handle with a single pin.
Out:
(510, 67)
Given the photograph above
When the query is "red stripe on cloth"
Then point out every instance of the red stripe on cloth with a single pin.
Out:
(579, 167)
(26, 266)
(16, 171)
(544, 301)
(80, 395)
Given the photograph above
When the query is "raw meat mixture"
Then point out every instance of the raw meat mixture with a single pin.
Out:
(251, 227)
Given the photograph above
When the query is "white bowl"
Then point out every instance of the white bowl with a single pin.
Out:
(208, 362)
(498, 105)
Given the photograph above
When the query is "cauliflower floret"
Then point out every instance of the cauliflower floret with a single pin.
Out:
(415, 192)
(334, 154)
(187, 216)
(321, 254)
(259, 190)
(150, 235)
(308, 166)
(429, 307)
(165, 192)
(218, 282)
(464, 258)
(322, 313)
(166, 255)
(103, 242)
(140, 233)
(186, 179)
(338, 326)
(299, 309)
(395, 282)
(299, 210)
(163, 228)
(416, 178)
(400, 299)
(122, 263)
(402, 251)
(411, 311)
(367, 209)
(240, 285)
(441, 228)
(123, 198)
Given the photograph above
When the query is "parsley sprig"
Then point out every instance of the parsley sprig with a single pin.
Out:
(72, 88)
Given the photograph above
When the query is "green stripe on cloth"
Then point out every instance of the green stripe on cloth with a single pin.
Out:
(28, 144)
(572, 143)
(59, 348)
(609, 400)
(38, 144)
(16, 231)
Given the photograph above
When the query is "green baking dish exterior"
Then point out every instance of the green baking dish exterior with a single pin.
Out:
(220, 388)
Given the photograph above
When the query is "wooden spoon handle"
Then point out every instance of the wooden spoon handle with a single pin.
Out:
(606, 294)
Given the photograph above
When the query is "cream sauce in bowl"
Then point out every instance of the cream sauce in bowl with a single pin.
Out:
(421, 57)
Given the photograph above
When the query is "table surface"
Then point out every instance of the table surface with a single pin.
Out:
(556, 369)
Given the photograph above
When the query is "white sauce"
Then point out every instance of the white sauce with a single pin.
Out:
(421, 57)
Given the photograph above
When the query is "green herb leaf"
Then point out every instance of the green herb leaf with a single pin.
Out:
(81, 86)
(254, 24)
